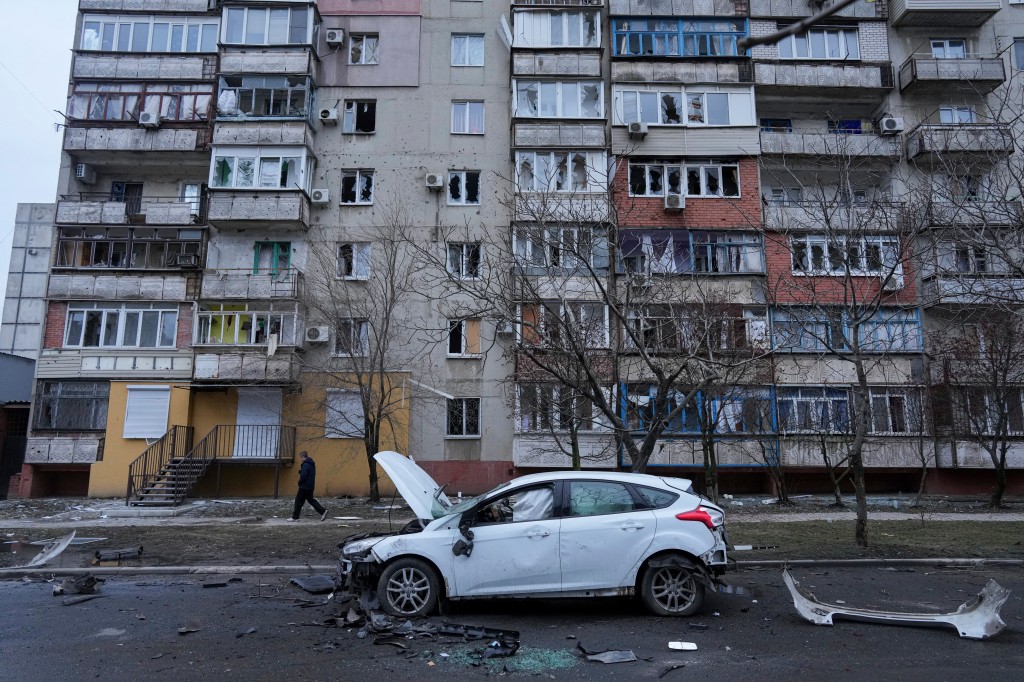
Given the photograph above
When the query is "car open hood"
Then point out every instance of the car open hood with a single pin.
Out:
(415, 485)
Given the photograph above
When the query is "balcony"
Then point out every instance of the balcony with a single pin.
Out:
(942, 13)
(968, 289)
(117, 287)
(638, 70)
(58, 450)
(930, 142)
(244, 284)
(149, 67)
(979, 75)
(133, 5)
(541, 207)
(529, 133)
(833, 79)
(562, 64)
(97, 208)
(975, 211)
(802, 215)
(867, 145)
(242, 209)
(257, 60)
(861, 9)
(186, 144)
(246, 367)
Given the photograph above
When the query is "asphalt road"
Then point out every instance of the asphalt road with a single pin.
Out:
(255, 629)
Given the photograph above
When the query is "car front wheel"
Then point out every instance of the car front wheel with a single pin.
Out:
(408, 587)
(672, 590)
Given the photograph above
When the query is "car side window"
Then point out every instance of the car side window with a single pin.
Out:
(656, 499)
(525, 504)
(590, 498)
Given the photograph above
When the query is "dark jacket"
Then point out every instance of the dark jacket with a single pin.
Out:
(307, 475)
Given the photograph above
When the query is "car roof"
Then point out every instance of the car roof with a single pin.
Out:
(618, 476)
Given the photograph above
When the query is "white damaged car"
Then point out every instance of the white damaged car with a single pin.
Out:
(555, 534)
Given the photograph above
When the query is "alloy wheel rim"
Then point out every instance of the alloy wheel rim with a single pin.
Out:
(408, 590)
(674, 588)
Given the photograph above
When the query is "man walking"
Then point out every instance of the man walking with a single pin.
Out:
(307, 481)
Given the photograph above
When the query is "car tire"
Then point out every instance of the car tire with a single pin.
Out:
(672, 590)
(408, 588)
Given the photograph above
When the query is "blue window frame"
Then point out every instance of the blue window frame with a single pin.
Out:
(677, 37)
(686, 251)
(816, 410)
(889, 330)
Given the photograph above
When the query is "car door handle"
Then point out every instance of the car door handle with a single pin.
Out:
(631, 525)
(538, 534)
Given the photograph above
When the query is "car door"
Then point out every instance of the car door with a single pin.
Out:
(604, 533)
(515, 545)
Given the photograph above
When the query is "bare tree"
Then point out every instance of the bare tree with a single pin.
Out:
(365, 288)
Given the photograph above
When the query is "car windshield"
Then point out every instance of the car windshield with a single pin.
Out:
(470, 502)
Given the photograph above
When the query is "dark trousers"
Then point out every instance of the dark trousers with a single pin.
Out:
(301, 498)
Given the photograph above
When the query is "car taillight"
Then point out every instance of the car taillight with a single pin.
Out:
(709, 517)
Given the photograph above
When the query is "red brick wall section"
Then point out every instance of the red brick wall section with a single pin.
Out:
(785, 287)
(743, 212)
(185, 316)
(468, 477)
(56, 313)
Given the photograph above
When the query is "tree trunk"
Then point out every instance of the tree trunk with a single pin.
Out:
(576, 463)
(999, 488)
(860, 433)
(710, 470)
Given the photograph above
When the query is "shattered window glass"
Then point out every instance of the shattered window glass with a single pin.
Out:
(363, 49)
(671, 108)
(360, 117)
(527, 98)
(357, 187)
(464, 187)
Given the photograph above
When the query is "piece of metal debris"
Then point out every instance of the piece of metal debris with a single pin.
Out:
(503, 643)
(975, 619)
(189, 628)
(82, 599)
(314, 584)
(393, 641)
(81, 584)
(682, 646)
(674, 666)
(51, 551)
(626, 656)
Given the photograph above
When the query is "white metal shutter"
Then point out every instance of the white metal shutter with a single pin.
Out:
(146, 413)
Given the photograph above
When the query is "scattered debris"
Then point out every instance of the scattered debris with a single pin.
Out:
(975, 619)
(51, 551)
(393, 641)
(80, 584)
(626, 656)
(674, 666)
(314, 584)
(682, 646)
(503, 643)
(189, 627)
(698, 626)
(349, 518)
(79, 600)
(76, 541)
(114, 557)
(215, 583)
(386, 507)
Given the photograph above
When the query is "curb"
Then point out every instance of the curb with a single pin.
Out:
(952, 562)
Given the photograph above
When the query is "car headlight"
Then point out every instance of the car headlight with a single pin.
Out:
(359, 548)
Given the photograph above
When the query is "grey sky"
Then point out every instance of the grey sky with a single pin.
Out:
(35, 57)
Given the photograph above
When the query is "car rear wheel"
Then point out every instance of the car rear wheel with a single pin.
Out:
(672, 590)
(408, 587)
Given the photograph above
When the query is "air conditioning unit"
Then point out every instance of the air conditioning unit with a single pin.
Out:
(434, 181)
(320, 196)
(637, 130)
(504, 327)
(187, 260)
(328, 116)
(85, 174)
(640, 282)
(674, 203)
(893, 283)
(317, 334)
(891, 125)
(335, 37)
(149, 119)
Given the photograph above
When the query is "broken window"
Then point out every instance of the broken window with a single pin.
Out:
(464, 188)
(264, 168)
(463, 417)
(467, 50)
(654, 179)
(71, 405)
(363, 48)
(558, 171)
(261, 96)
(896, 410)
(354, 260)
(468, 117)
(125, 101)
(352, 337)
(568, 99)
(678, 37)
(464, 337)
(360, 117)
(464, 260)
(357, 187)
(721, 107)
(243, 324)
(712, 178)
(121, 247)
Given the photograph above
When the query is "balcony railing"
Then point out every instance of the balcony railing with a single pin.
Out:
(882, 216)
(972, 73)
(930, 141)
(259, 208)
(831, 77)
(829, 144)
(99, 208)
(240, 283)
(972, 289)
(975, 211)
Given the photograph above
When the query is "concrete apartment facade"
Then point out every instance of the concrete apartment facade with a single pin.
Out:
(278, 219)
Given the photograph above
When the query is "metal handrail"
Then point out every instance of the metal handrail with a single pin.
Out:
(145, 469)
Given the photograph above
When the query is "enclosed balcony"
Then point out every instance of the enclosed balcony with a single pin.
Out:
(182, 145)
(225, 365)
(942, 13)
(783, 78)
(967, 289)
(970, 74)
(245, 284)
(113, 208)
(125, 252)
(784, 215)
(130, 66)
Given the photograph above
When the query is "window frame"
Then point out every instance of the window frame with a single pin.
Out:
(685, 252)
(359, 176)
(544, 408)
(464, 177)
(350, 116)
(467, 117)
(95, 247)
(366, 57)
(114, 320)
(53, 401)
(465, 56)
(704, 169)
(594, 166)
(206, 34)
(308, 35)
(885, 398)
(356, 332)
(789, 47)
(254, 84)
(739, 106)
(464, 338)
(545, 247)
(823, 412)
(143, 430)
(560, 87)
(635, 37)
(470, 260)
(125, 101)
(465, 409)
(258, 156)
(286, 322)
(334, 415)
(862, 246)
(361, 253)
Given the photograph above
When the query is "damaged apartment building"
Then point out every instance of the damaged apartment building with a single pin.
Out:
(283, 225)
